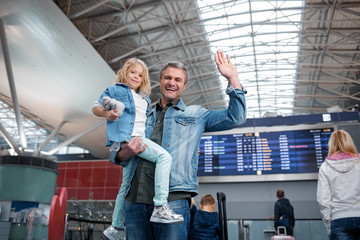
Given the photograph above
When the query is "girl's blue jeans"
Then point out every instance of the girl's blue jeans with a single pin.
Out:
(162, 159)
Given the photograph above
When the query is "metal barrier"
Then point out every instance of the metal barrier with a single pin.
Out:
(263, 229)
(86, 229)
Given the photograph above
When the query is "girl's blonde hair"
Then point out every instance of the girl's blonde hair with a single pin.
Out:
(145, 88)
(341, 142)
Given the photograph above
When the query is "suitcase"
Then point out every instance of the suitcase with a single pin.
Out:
(282, 235)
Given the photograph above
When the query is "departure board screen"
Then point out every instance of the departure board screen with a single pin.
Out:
(296, 151)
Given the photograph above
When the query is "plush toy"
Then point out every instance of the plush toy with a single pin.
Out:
(112, 104)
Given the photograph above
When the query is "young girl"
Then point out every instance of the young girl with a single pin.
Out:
(132, 89)
(338, 190)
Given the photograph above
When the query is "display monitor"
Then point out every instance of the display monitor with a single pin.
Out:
(263, 153)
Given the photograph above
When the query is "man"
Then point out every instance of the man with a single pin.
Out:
(177, 128)
(284, 213)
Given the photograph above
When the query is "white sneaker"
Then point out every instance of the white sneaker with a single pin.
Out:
(115, 234)
(165, 214)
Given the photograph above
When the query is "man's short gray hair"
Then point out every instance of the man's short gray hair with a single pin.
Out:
(175, 64)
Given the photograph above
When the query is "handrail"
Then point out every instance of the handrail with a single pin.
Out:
(86, 220)
(247, 228)
(240, 229)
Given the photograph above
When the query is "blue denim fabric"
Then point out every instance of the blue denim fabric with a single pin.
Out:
(162, 159)
(138, 225)
(183, 128)
(345, 229)
(121, 129)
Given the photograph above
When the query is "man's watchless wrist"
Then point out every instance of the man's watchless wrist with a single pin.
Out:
(117, 158)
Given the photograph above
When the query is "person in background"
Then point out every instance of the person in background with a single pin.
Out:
(177, 128)
(338, 189)
(206, 220)
(284, 213)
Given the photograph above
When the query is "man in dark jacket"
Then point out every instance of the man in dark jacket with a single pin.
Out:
(206, 221)
(284, 213)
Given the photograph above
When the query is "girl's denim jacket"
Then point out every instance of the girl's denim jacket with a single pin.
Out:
(121, 129)
(183, 128)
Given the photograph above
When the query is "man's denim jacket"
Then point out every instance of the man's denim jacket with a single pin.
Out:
(121, 129)
(183, 128)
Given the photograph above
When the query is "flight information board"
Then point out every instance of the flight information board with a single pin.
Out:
(296, 151)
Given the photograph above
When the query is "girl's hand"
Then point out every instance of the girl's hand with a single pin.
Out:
(112, 115)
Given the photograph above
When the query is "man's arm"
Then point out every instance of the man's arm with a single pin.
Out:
(235, 114)
(292, 217)
(276, 215)
(128, 150)
(227, 69)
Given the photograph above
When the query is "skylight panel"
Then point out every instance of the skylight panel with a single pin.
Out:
(261, 38)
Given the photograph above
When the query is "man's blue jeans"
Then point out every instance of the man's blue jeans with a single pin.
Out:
(138, 225)
(345, 229)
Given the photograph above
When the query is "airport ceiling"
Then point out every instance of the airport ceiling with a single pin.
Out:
(293, 57)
